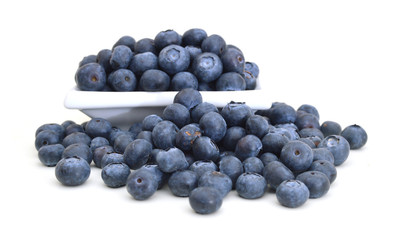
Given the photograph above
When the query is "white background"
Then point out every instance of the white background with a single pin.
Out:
(343, 57)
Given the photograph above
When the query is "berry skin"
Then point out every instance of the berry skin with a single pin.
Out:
(248, 146)
(292, 193)
(171, 160)
(186, 136)
(207, 67)
(122, 80)
(174, 59)
(230, 81)
(143, 61)
(213, 125)
(309, 109)
(274, 143)
(275, 173)
(141, 184)
(232, 167)
(188, 97)
(317, 183)
(154, 80)
(204, 148)
(205, 200)
(72, 171)
(91, 77)
(200, 167)
(184, 80)
(120, 57)
(201, 109)
(57, 128)
(98, 127)
(325, 167)
(355, 135)
(115, 175)
(178, 114)
(164, 134)
(214, 44)
(145, 45)
(330, 128)
(182, 182)
(165, 38)
(253, 68)
(127, 41)
(338, 146)
(109, 158)
(253, 164)
(50, 155)
(233, 135)
(236, 114)
(282, 113)
(251, 185)
(46, 137)
(137, 153)
(217, 180)
(297, 156)
(233, 60)
(78, 149)
(194, 37)
(257, 125)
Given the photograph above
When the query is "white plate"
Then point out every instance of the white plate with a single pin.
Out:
(124, 108)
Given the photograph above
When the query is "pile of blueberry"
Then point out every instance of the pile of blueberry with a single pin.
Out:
(203, 152)
(169, 62)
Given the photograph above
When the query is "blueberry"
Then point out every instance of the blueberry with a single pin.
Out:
(217, 180)
(193, 53)
(202, 108)
(184, 80)
(164, 134)
(213, 125)
(182, 182)
(98, 127)
(188, 97)
(46, 137)
(161, 177)
(214, 44)
(290, 133)
(154, 80)
(72, 171)
(268, 157)
(236, 113)
(233, 60)
(282, 113)
(76, 137)
(248, 146)
(253, 164)
(145, 45)
(311, 132)
(141, 184)
(275, 173)
(122, 80)
(232, 167)
(330, 128)
(230, 81)
(165, 38)
(98, 142)
(126, 41)
(250, 81)
(317, 183)
(57, 128)
(355, 135)
(325, 167)
(50, 155)
(297, 156)
(137, 153)
(251, 185)
(194, 37)
(171, 160)
(233, 135)
(200, 167)
(257, 125)
(115, 175)
(322, 154)
(205, 200)
(120, 57)
(90, 77)
(87, 59)
(150, 121)
(174, 59)
(67, 123)
(310, 141)
(177, 113)
(338, 146)
(186, 136)
(103, 58)
(74, 128)
(253, 68)
(207, 86)
(309, 109)
(207, 67)
(78, 149)
(122, 141)
(274, 143)
(292, 193)
(306, 120)
(146, 135)
(204, 148)
(111, 157)
(98, 154)
(135, 129)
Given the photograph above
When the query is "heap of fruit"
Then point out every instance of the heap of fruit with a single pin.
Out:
(204, 153)
(169, 62)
